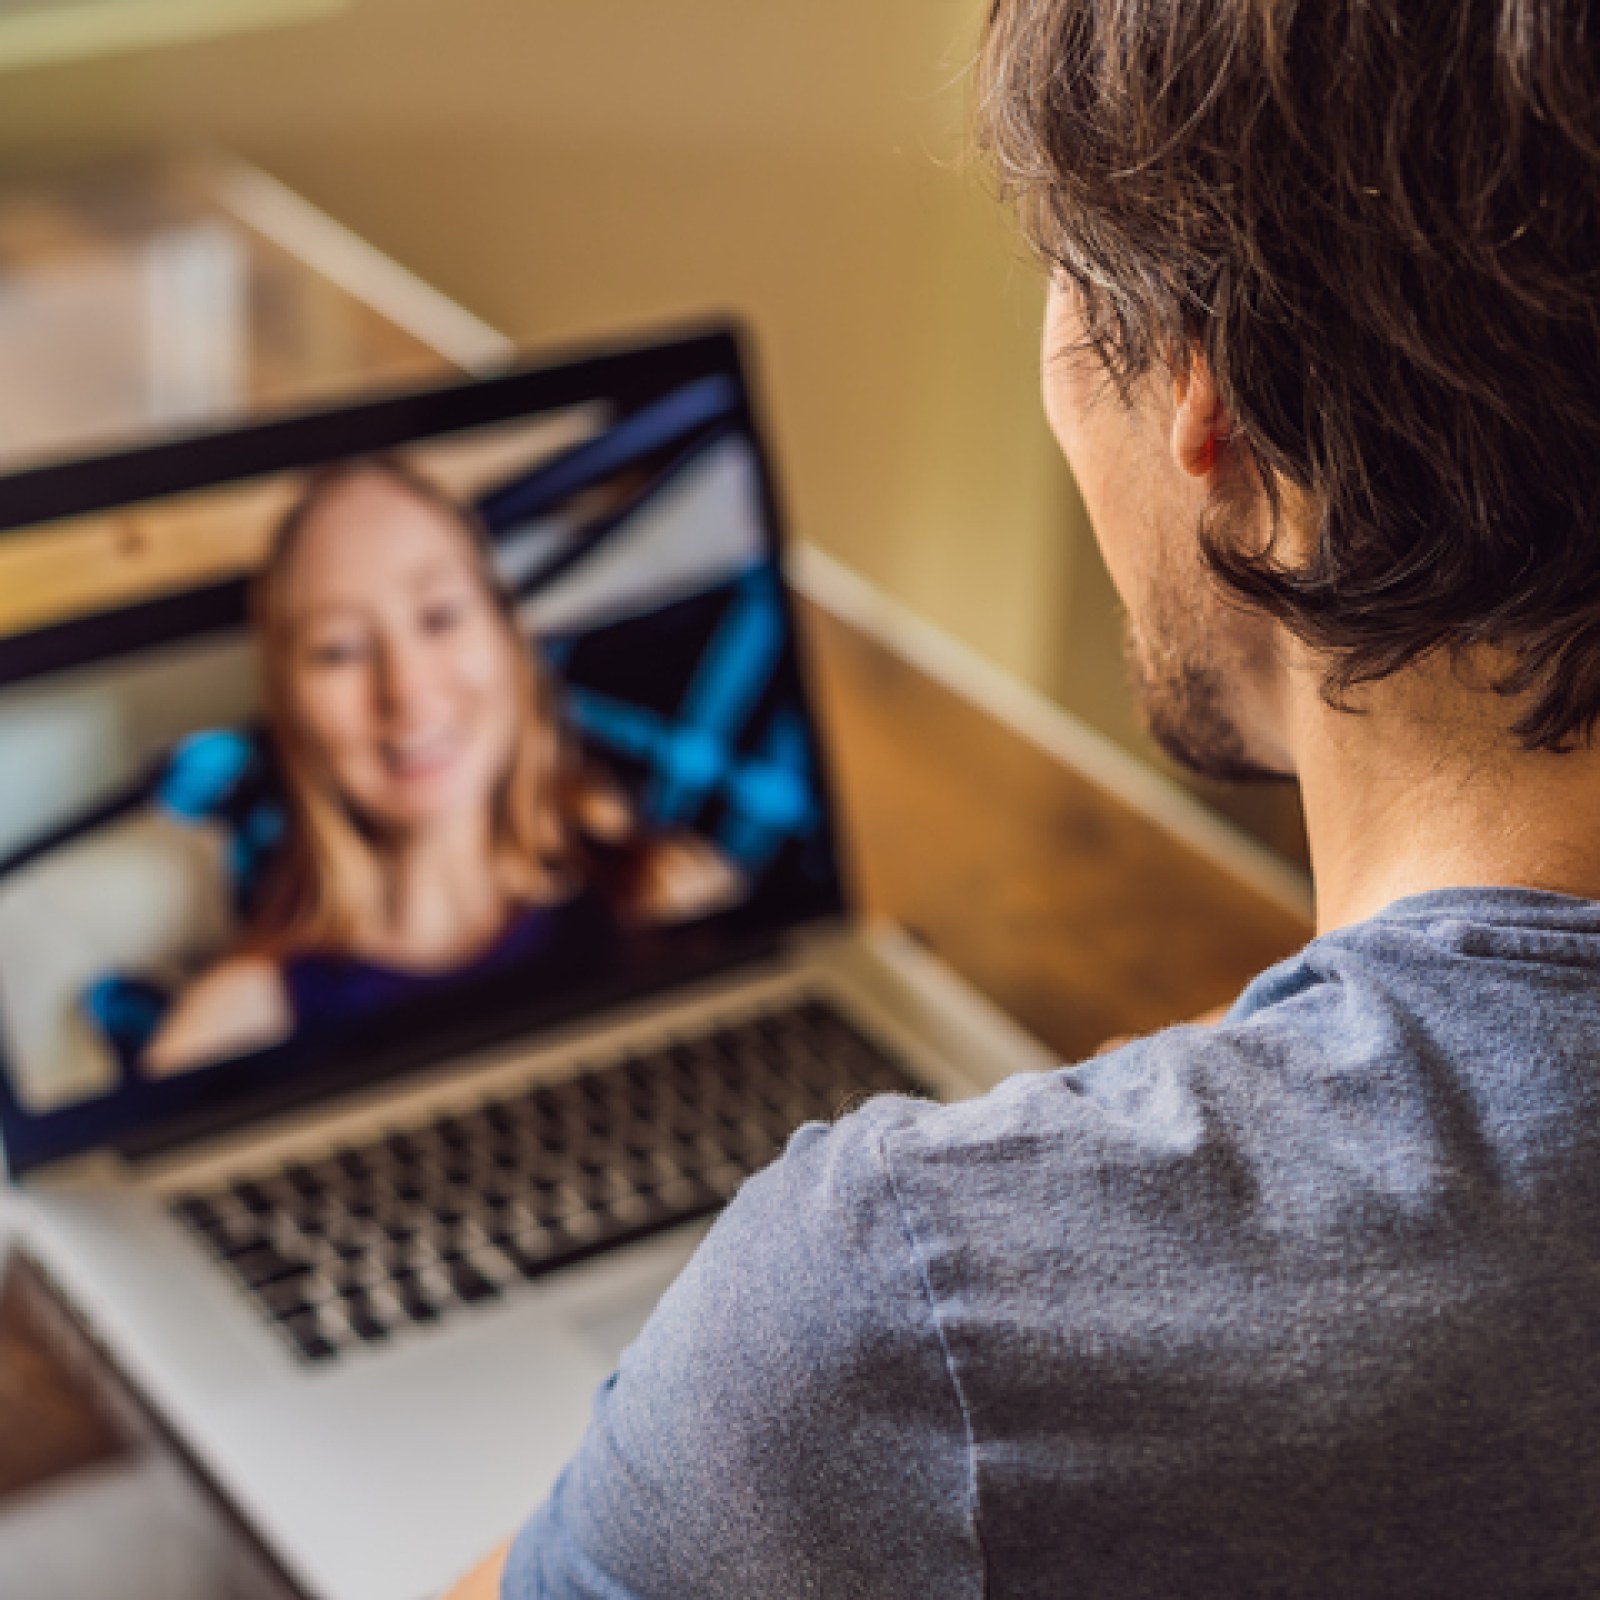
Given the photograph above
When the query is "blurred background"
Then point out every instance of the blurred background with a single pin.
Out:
(570, 168)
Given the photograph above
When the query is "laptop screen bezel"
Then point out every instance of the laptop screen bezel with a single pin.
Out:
(180, 1110)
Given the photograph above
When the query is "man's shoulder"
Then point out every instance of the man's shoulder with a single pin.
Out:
(787, 1420)
(828, 1200)
(1043, 1178)
(806, 1296)
(1177, 1151)
(1155, 1098)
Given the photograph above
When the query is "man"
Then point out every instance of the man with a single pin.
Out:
(1306, 1303)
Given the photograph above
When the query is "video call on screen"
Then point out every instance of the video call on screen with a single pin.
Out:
(552, 654)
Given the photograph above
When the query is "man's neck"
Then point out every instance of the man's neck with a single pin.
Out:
(1424, 787)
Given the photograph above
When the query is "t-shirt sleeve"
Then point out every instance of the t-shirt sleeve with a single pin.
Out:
(786, 1423)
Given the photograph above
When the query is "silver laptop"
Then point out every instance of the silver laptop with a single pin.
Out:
(413, 933)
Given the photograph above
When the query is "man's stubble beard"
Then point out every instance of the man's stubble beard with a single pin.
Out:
(1187, 682)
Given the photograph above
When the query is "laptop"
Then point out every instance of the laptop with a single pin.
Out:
(361, 1159)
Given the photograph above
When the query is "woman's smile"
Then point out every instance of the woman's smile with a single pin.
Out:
(418, 757)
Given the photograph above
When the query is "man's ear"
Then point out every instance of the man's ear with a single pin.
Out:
(1200, 425)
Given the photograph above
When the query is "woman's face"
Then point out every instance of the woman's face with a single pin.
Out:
(399, 672)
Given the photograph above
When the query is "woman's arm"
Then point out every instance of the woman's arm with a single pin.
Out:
(235, 1008)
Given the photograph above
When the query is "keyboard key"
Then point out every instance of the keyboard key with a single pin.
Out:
(364, 1321)
(584, 1227)
(634, 1209)
(532, 1255)
(197, 1211)
(454, 1204)
(464, 1238)
(283, 1297)
(237, 1231)
(334, 1321)
(254, 1198)
(417, 1304)
(263, 1264)
(562, 1202)
(687, 1195)
(492, 1263)
(306, 1334)
(469, 1282)
(309, 1224)
(452, 1133)
(415, 1187)
(319, 1289)
(418, 1253)
(725, 1180)
(434, 1282)
(387, 1306)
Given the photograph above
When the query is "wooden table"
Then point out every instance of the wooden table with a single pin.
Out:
(1077, 908)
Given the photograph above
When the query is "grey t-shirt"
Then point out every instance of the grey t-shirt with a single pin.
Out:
(1304, 1304)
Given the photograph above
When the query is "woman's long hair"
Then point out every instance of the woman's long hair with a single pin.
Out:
(327, 877)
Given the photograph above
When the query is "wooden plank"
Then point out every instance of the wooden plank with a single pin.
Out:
(81, 1410)
(50, 1424)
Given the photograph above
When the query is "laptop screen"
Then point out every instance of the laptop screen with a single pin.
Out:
(399, 730)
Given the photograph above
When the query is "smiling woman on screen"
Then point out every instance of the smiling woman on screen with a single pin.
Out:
(439, 830)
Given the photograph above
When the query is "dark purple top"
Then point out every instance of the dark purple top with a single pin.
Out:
(330, 990)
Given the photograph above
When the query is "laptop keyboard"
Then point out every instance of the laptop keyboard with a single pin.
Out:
(346, 1250)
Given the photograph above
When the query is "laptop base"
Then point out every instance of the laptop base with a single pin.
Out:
(381, 1476)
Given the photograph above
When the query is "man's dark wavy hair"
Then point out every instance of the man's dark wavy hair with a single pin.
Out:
(1379, 220)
